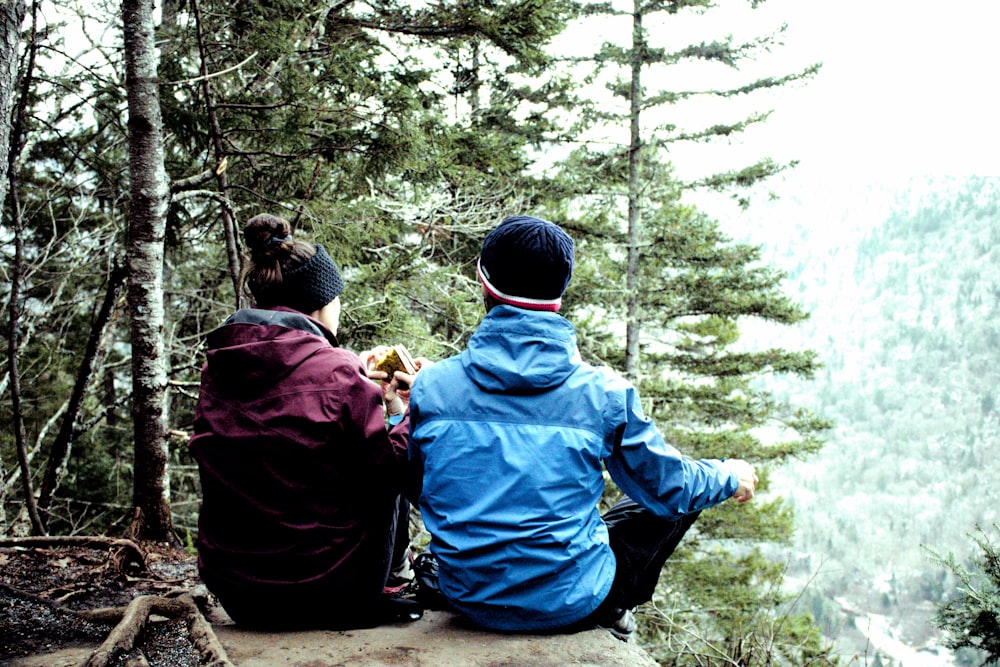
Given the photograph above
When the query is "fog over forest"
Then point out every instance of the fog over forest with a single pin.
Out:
(902, 283)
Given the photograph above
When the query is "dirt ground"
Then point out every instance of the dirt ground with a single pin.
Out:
(44, 587)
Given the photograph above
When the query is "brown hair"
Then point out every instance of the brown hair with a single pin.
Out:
(273, 252)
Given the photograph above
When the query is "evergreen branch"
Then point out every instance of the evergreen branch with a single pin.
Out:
(413, 27)
(670, 97)
(772, 82)
(744, 177)
(713, 132)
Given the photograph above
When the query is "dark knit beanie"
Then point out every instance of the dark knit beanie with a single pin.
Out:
(527, 262)
(312, 284)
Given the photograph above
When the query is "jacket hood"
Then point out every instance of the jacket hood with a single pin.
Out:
(520, 350)
(257, 347)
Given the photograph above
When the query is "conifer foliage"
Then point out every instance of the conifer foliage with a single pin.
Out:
(971, 620)
(683, 291)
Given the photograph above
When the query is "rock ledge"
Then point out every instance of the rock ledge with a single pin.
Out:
(439, 638)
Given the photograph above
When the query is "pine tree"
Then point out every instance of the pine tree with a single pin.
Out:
(684, 292)
(340, 120)
(363, 124)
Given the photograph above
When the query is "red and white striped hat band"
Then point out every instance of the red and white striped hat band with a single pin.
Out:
(519, 301)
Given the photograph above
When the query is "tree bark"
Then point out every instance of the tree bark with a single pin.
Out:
(632, 325)
(12, 14)
(149, 192)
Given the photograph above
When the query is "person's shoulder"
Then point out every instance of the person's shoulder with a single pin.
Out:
(337, 360)
(441, 368)
(438, 378)
(603, 373)
(606, 380)
(343, 357)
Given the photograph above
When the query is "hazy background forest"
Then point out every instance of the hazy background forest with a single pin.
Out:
(901, 284)
(763, 309)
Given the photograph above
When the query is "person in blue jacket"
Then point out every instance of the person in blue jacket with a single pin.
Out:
(510, 439)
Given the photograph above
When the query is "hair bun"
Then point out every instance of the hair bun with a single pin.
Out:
(265, 234)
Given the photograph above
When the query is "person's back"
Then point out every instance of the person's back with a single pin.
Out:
(512, 432)
(292, 498)
(301, 480)
(511, 436)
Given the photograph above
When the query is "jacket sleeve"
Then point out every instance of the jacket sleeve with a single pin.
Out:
(654, 473)
(364, 420)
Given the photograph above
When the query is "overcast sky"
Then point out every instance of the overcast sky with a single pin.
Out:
(908, 87)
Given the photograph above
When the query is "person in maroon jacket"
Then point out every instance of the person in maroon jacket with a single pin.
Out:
(302, 479)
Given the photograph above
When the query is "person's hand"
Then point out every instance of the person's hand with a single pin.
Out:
(370, 357)
(747, 479)
(404, 381)
(395, 389)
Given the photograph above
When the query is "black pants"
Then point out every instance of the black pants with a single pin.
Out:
(642, 542)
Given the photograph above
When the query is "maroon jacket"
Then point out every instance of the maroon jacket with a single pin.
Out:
(298, 472)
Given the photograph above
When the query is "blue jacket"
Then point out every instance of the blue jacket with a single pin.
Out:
(511, 436)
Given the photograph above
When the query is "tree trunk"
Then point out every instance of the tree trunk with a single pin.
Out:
(228, 221)
(11, 18)
(149, 192)
(632, 325)
(12, 14)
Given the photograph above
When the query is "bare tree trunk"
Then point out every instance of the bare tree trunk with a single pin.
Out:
(632, 325)
(61, 447)
(15, 385)
(149, 192)
(12, 14)
(10, 139)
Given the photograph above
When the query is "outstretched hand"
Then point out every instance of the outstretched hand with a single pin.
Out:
(747, 479)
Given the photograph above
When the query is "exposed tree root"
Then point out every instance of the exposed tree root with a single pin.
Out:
(126, 552)
(133, 618)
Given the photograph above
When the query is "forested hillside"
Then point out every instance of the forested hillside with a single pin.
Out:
(903, 287)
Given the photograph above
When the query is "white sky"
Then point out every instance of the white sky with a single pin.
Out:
(908, 87)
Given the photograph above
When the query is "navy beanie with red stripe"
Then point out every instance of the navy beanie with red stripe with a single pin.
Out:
(527, 262)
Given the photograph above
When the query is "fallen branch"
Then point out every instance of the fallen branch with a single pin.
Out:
(133, 618)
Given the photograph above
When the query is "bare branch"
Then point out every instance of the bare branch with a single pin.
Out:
(206, 77)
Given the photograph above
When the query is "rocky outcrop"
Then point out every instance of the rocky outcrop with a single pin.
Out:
(439, 639)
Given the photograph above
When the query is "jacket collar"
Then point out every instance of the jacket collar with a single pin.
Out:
(281, 316)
